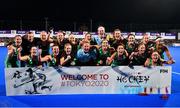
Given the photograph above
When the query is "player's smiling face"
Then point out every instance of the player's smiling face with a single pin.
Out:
(88, 37)
(145, 39)
(141, 49)
(60, 36)
(43, 36)
(155, 56)
(72, 38)
(86, 47)
(30, 37)
(101, 30)
(55, 50)
(34, 51)
(105, 45)
(117, 35)
(68, 49)
(160, 43)
(18, 40)
(120, 50)
(131, 39)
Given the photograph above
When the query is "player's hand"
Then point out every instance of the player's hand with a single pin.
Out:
(39, 67)
(170, 61)
(152, 49)
(100, 62)
(108, 60)
(40, 51)
(68, 57)
(73, 63)
(19, 49)
(131, 56)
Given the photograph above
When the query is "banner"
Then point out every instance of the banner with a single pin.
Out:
(88, 80)
(170, 36)
(139, 35)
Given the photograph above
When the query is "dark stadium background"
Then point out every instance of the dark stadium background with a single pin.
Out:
(128, 15)
(71, 15)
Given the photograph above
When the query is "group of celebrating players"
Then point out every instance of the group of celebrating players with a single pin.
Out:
(97, 50)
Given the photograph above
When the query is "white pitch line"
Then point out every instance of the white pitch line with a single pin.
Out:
(176, 73)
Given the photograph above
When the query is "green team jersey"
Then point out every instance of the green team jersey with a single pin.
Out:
(103, 56)
(55, 60)
(159, 63)
(139, 59)
(120, 60)
(131, 48)
(33, 62)
(161, 51)
(12, 61)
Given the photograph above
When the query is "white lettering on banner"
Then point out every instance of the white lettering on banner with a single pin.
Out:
(88, 80)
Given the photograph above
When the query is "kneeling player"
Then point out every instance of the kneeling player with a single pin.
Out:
(54, 58)
(86, 56)
(120, 57)
(32, 60)
(67, 57)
